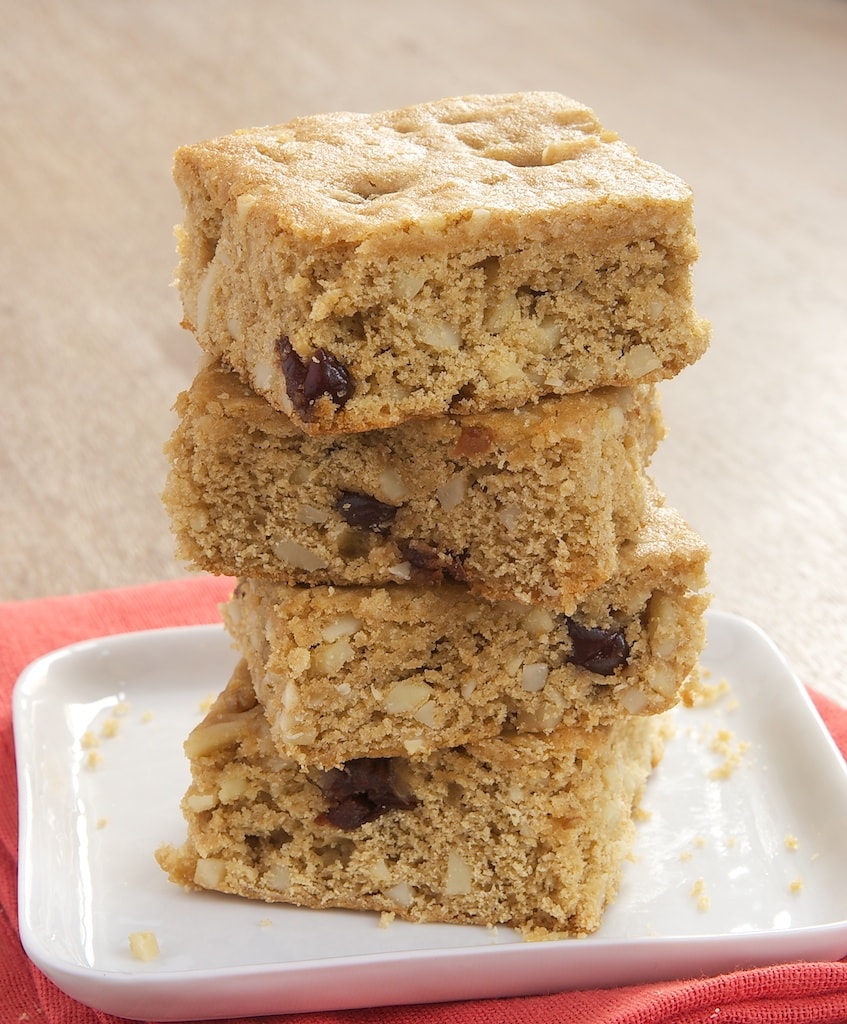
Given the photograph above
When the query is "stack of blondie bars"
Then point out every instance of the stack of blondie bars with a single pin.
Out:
(420, 441)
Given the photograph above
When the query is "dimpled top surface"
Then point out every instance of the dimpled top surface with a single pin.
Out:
(475, 161)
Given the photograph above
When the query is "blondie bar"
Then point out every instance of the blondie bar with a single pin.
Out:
(346, 672)
(531, 504)
(473, 253)
(527, 831)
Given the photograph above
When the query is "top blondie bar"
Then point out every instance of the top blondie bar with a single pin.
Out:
(479, 252)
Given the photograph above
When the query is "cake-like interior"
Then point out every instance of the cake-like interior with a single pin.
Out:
(527, 831)
(474, 253)
(387, 671)
(530, 504)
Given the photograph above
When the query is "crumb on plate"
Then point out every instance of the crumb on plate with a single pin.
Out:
(110, 728)
(722, 745)
(699, 693)
(144, 945)
(698, 891)
(93, 760)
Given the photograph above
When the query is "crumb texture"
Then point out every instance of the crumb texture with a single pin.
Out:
(359, 270)
(357, 671)
(532, 505)
(527, 831)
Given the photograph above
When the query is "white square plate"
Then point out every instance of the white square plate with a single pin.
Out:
(739, 864)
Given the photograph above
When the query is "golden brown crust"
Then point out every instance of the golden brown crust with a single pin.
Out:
(469, 254)
(388, 180)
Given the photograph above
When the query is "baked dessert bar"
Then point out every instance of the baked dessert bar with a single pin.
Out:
(531, 504)
(403, 671)
(472, 253)
(525, 830)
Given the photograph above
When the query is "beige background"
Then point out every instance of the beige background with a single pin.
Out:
(743, 98)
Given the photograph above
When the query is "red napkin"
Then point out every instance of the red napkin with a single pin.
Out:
(788, 992)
